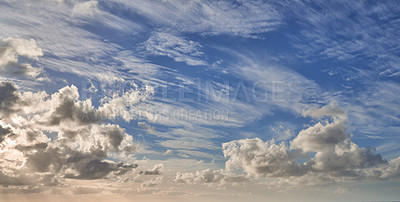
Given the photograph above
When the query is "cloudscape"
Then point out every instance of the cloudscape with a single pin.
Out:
(198, 100)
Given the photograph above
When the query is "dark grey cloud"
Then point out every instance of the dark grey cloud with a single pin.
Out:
(98, 169)
(9, 98)
(4, 132)
(71, 163)
(68, 109)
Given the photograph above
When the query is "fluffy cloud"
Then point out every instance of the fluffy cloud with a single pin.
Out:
(260, 158)
(82, 145)
(334, 149)
(322, 153)
(10, 52)
(209, 176)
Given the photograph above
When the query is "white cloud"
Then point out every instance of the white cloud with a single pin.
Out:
(177, 48)
(320, 137)
(10, 52)
(209, 176)
(66, 44)
(243, 18)
(168, 152)
(320, 154)
(364, 40)
(260, 158)
(86, 8)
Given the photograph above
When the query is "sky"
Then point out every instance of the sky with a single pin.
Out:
(177, 100)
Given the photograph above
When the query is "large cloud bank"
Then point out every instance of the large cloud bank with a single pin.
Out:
(45, 139)
(320, 154)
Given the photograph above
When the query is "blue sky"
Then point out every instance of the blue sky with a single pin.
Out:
(202, 96)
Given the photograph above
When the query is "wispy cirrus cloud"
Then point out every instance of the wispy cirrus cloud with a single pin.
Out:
(359, 34)
(64, 43)
(177, 48)
(238, 18)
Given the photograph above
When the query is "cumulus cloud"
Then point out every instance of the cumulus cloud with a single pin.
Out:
(12, 49)
(209, 176)
(122, 106)
(81, 148)
(66, 108)
(260, 158)
(322, 153)
(334, 149)
(335, 153)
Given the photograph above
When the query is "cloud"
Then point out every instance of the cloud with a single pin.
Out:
(168, 152)
(74, 164)
(367, 39)
(209, 176)
(152, 182)
(12, 49)
(123, 105)
(330, 110)
(81, 148)
(97, 56)
(88, 8)
(9, 99)
(334, 149)
(66, 41)
(177, 48)
(322, 153)
(392, 170)
(240, 18)
(4, 132)
(320, 137)
(65, 107)
(283, 131)
(260, 158)
(155, 171)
